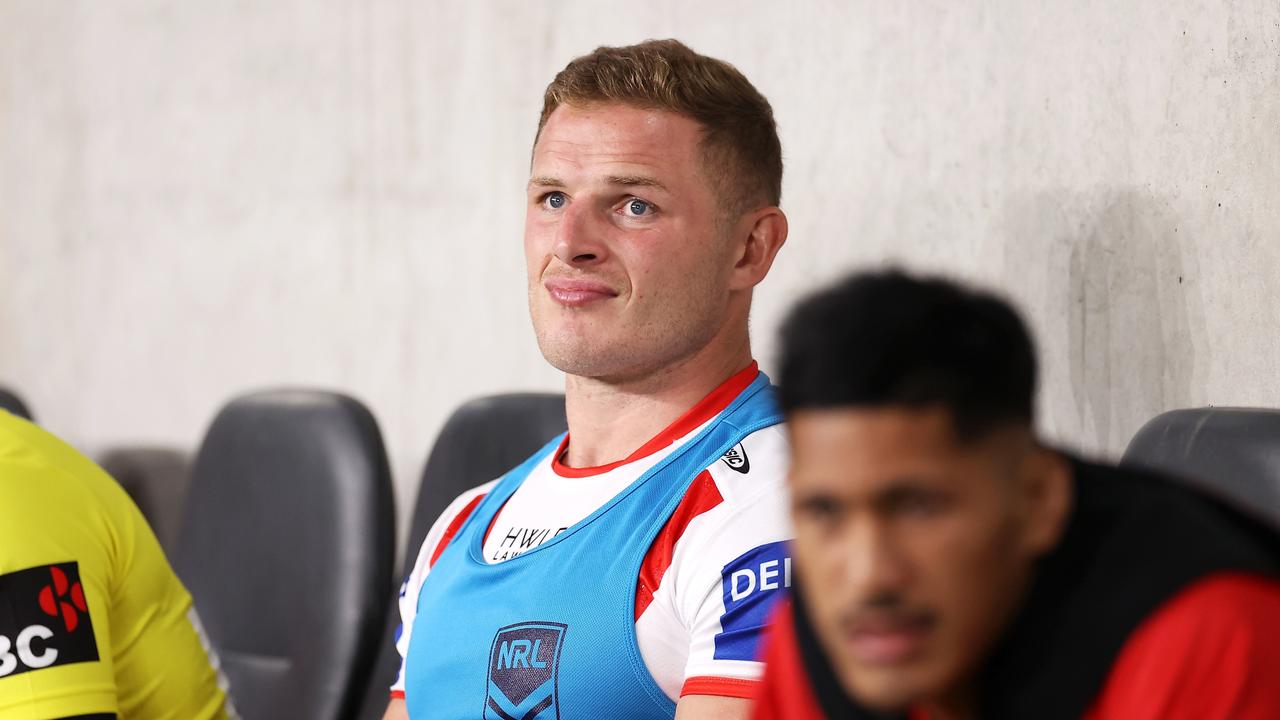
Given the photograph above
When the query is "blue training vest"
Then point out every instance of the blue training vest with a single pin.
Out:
(550, 634)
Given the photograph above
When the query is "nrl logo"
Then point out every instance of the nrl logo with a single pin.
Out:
(523, 672)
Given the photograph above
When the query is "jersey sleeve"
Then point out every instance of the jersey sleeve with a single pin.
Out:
(731, 566)
(93, 622)
(438, 537)
(55, 638)
(157, 635)
(1210, 653)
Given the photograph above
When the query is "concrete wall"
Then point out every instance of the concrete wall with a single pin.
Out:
(197, 199)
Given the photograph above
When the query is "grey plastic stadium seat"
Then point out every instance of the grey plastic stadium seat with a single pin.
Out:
(1233, 453)
(10, 401)
(481, 440)
(156, 478)
(287, 546)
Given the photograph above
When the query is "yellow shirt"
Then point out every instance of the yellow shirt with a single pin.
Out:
(93, 620)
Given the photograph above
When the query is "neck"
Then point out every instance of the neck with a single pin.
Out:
(609, 419)
(957, 706)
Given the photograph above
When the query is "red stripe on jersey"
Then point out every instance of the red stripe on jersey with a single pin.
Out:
(720, 687)
(701, 496)
(397, 694)
(454, 526)
(707, 408)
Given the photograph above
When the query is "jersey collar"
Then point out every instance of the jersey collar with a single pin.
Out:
(710, 406)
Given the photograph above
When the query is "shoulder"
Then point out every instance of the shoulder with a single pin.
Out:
(462, 505)
(750, 482)
(27, 450)
(1206, 650)
(1224, 615)
(1222, 602)
(755, 467)
(44, 483)
(733, 525)
(737, 503)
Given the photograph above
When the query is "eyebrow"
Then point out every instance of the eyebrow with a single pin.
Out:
(892, 491)
(635, 181)
(816, 499)
(544, 181)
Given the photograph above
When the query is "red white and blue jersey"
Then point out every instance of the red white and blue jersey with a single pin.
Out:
(708, 580)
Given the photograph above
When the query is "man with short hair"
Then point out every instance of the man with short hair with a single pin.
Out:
(626, 569)
(950, 565)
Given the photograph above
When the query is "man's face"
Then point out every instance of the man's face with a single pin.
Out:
(913, 549)
(628, 258)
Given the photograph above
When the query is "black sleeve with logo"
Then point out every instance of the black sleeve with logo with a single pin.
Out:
(44, 620)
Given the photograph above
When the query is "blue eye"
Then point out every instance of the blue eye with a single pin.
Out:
(555, 200)
(637, 207)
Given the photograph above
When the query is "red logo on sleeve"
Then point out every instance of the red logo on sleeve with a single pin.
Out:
(63, 598)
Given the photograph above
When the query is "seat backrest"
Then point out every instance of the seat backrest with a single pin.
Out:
(1233, 453)
(10, 401)
(156, 478)
(287, 546)
(483, 439)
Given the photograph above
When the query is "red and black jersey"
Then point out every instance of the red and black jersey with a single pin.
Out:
(1158, 603)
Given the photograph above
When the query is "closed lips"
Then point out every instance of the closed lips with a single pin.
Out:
(887, 639)
(578, 292)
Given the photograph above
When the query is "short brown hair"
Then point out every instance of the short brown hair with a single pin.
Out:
(740, 139)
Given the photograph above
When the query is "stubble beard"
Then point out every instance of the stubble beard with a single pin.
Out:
(626, 349)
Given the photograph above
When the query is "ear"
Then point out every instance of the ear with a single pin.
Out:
(759, 236)
(1050, 496)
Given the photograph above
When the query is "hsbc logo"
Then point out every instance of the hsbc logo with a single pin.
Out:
(25, 649)
(47, 623)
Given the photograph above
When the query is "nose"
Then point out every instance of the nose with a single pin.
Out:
(873, 564)
(579, 240)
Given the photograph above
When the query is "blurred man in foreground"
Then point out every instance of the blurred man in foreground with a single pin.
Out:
(94, 625)
(951, 566)
(626, 570)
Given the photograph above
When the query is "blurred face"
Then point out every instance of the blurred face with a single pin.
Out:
(915, 549)
(628, 261)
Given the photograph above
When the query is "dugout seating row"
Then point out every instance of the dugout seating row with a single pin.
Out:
(283, 527)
